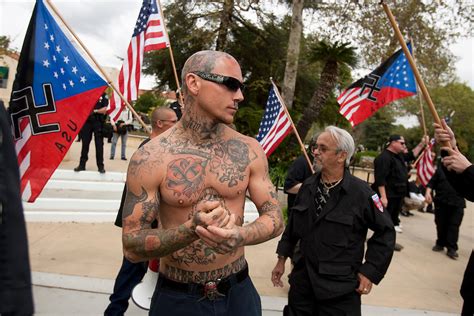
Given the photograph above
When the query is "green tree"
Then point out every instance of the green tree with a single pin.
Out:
(334, 57)
(4, 44)
(147, 102)
(433, 26)
(374, 132)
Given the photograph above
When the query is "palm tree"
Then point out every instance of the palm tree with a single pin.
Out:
(335, 57)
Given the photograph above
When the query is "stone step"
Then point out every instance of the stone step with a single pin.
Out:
(62, 174)
(89, 210)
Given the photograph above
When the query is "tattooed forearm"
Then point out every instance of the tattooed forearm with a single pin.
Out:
(267, 226)
(186, 276)
(154, 243)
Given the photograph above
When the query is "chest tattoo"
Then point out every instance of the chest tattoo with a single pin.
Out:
(227, 160)
(186, 176)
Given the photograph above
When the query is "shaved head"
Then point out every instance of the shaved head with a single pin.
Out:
(204, 60)
(162, 114)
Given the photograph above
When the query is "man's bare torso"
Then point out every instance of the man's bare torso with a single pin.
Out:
(188, 174)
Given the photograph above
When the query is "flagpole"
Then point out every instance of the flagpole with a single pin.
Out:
(422, 112)
(171, 54)
(109, 82)
(292, 125)
(423, 88)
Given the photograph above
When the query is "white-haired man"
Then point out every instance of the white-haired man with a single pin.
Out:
(331, 216)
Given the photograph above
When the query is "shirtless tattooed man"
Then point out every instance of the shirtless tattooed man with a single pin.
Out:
(194, 178)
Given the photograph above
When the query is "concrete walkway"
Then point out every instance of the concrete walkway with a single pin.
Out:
(64, 255)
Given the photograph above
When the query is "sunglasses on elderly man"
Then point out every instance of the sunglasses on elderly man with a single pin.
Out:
(230, 82)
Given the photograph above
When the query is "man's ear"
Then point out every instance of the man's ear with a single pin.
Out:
(342, 156)
(192, 84)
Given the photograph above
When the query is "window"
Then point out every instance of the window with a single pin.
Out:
(3, 77)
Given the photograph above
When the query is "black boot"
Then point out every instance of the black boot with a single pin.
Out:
(80, 168)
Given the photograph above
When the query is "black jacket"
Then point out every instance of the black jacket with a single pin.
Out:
(15, 277)
(333, 243)
(463, 183)
(445, 193)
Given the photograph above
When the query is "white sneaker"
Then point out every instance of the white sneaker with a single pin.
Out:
(398, 229)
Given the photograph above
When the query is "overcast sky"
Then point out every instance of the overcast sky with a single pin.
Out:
(105, 27)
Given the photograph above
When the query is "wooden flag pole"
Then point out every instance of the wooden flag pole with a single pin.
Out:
(109, 82)
(422, 112)
(426, 95)
(292, 125)
(171, 55)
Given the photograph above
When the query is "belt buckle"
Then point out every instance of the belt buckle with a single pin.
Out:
(211, 292)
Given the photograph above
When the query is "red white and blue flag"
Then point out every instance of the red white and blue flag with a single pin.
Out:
(275, 124)
(392, 80)
(425, 168)
(149, 34)
(53, 93)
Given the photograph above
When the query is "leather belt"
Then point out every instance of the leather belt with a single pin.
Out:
(211, 289)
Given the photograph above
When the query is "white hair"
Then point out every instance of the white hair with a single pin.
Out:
(344, 141)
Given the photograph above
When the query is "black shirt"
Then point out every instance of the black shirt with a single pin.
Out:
(333, 243)
(463, 183)
(445, 193)
(297, 173)
(391, 171)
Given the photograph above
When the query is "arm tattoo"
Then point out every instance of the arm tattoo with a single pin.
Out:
(131, 200)
(257, 231)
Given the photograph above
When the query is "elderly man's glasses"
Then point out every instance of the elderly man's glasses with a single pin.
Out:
(323, 149)
(231, 83)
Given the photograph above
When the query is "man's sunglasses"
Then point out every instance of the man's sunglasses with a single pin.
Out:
(230, 82)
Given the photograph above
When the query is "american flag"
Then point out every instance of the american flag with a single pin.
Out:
(149, 34)
(425, 168)
(275, 124)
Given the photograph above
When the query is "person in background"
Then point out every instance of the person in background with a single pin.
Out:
(120, 129)
(94, 126)
(460, 173)
(449, 211)
(130, 274)
(298, 171)
(176, 106)
(391, 177)
(331, 216)
(16, 297)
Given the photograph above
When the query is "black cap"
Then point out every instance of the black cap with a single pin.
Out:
(394, 138)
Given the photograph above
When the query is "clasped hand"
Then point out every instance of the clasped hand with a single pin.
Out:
(216, 227)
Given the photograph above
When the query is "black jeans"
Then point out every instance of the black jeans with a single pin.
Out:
(448, 218)
(394, 207)
(92, 126)
(130, 274)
